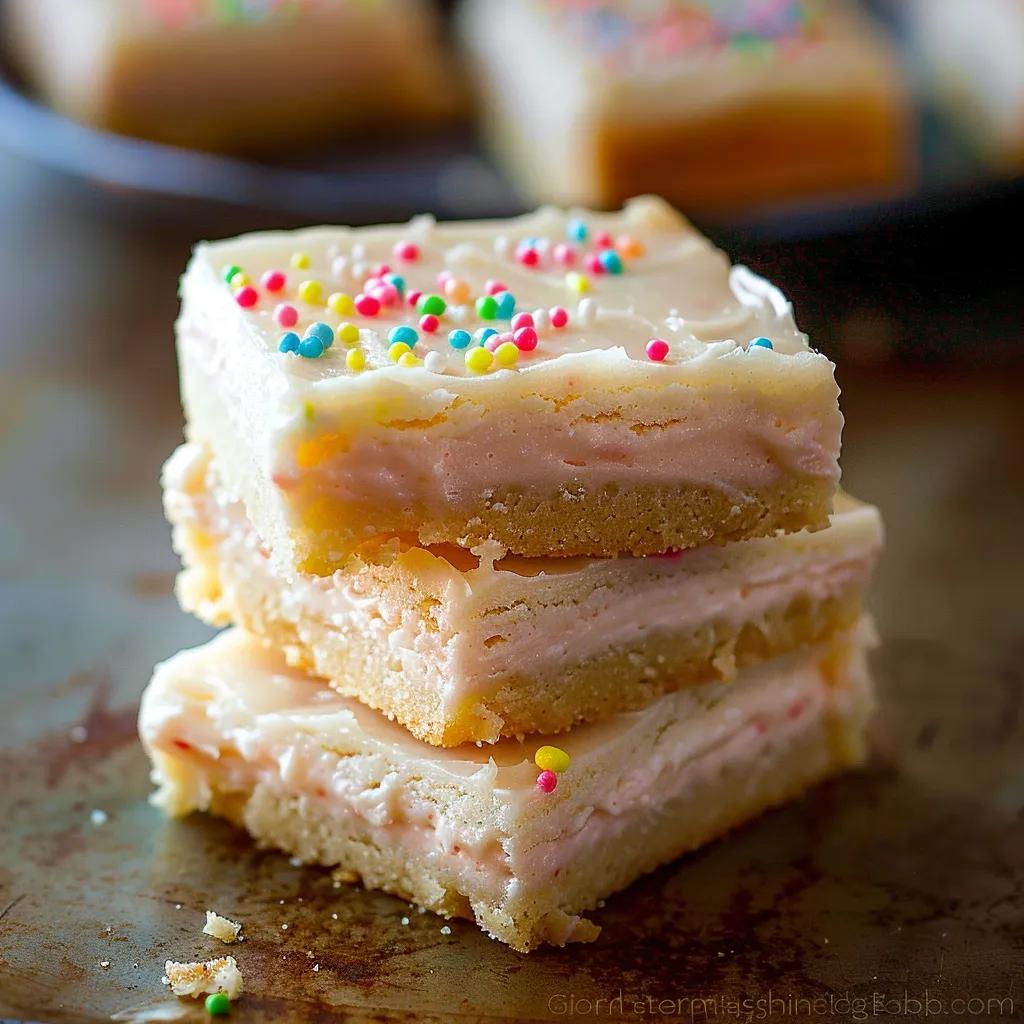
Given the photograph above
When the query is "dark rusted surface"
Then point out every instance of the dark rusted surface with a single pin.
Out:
(901, 883)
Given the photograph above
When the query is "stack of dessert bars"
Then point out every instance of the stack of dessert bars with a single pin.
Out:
(530, 538)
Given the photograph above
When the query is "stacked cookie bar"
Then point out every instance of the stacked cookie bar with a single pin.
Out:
(530, 539)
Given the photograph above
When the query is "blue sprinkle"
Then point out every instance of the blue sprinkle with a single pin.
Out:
(403, 334)
(760, 343)
(576, 231)
(609, 259)
(289, 342)
(311, 347)
(321, 331)
(459, 339)
(484, 333)
(506, 305)
(397, 280)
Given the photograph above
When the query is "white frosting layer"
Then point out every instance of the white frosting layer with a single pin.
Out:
(235, 710)
(487, 619)
(584, 410)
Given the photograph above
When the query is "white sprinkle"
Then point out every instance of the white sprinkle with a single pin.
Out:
(177, 906)
(284, 927)
(334, 917)
(457, 314)
(99, 817)
(435, 362)
(501, 245)
(295, 862)
(358, 271)
(405, 920)
(542, 244)
(338, 267)
(359, 251)
(541, 320)
(421, 910)
(104, 964)
(446, 930)
(78, 734)
(316, 968)
(586, 311)
(281, 902)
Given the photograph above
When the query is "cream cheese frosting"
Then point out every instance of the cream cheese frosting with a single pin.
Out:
(314, 445)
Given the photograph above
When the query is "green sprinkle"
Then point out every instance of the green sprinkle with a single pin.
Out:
(229, 271)
(487, 307)
(217, 1004)
(431, 304)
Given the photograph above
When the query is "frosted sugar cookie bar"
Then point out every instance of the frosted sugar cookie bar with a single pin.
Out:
(460, 647)
(485, 833)
(563, 383)
(234, 74)
(709, 103)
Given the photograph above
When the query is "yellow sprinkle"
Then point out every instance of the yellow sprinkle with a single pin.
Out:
(507, 354)
(397, 350)
(551, 759)
(355, 360)
(348, 335)
(478, 360)
(341, 303)
(300, 261)
(456, 291)
(307, 408)
(311, 291)
(240, 280)
(408, 359)
(577, 282)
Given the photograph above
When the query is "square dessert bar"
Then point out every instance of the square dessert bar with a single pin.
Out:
(483, 833)
(562, 383)
(708, 103)
(234, 74)
(971, 52)
(461, 647)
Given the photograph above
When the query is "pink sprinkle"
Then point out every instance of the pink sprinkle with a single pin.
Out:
(273, 280)
(559, 317)
(492, 287)
(407, 252)
(372, 282)
(604, 241)
(286, 316)
(387, 295)
(382, 269)
(367, 305)
(594, 265)
(657, 349)
(546, 781)
(565, 255)
(412, 298)
(247, 297)
(796, 710)
(529, 257)
(443, 278)
(525, 339)
(495, 340)
(522, 320)
(429, 323)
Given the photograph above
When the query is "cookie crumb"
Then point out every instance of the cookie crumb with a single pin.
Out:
(221, 928)
(198, 979)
